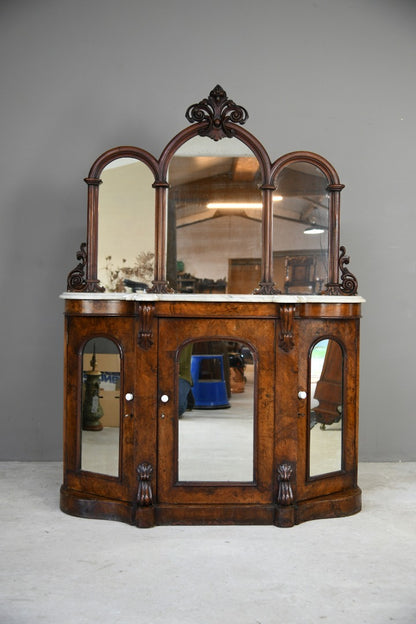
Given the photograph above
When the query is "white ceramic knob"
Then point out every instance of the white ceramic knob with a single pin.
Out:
(164, 398)
(302, 394)
(129, 396)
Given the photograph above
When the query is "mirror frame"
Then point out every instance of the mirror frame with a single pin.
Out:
(216, 117)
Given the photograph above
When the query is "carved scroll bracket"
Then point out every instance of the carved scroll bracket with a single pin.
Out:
(76, 278)
(349, 283)
(144, 492)
(284, 477)
(145, 337)
(216, 113)
(286, 342)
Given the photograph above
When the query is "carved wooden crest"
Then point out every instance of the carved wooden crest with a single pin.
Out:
(218, 111)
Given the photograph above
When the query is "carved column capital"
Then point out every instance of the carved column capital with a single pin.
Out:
(266, 288)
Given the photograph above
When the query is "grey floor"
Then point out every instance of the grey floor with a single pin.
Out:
(60, 569)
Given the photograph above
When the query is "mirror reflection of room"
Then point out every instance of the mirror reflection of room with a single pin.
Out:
(326, 408)
(214, 213)
(126, 226)
(216, 415)
(300, 241)
(100, 436)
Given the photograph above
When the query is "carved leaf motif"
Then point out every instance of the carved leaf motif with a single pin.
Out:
(285, 493)
(144, 492)
(215, 112)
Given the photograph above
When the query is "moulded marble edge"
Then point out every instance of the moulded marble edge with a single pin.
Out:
(215, 298)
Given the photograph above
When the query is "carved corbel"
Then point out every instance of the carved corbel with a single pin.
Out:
(349, 283)
(287, 312)
(144, 492)
(284, 476)
(145, 337)
(217, 113)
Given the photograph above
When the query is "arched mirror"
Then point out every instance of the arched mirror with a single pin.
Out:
(221, 217)
(216, 389)
(100, 435)
(300, 233)
(326, 391)
(214, 217)
(126, 226)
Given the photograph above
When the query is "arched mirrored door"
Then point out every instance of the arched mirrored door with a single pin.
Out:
(211, 435)
(102, 405)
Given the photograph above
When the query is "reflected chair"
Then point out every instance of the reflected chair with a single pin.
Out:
(300, 275)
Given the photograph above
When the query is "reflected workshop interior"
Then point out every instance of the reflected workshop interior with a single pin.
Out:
(212, 335)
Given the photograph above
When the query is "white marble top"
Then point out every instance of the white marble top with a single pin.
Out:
(214, 298)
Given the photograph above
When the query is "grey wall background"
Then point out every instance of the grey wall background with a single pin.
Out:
(332, 76)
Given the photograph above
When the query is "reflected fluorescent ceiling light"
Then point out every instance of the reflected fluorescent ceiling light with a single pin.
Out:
(234, 205)
(314, 229)
(240, 205)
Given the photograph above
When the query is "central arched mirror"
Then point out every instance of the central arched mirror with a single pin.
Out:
(214, 216)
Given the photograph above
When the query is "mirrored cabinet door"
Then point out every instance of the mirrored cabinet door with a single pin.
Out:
(215, 426)
(101, 406)
(327, 406)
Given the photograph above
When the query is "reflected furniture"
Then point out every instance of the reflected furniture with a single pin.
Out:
(300, 274)
(213, 197)
(328, 391)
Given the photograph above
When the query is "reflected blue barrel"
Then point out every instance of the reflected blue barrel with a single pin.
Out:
(209, 387)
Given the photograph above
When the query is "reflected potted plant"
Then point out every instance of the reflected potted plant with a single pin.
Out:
(140, 273)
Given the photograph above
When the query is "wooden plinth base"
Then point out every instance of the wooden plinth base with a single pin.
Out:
(89, 506)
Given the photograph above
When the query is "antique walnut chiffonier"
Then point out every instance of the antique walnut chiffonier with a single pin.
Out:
(211, 335)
